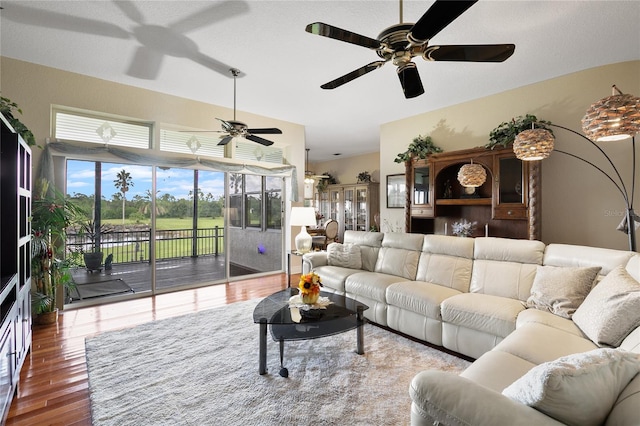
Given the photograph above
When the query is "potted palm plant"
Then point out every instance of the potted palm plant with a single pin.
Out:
(51, 215)
(93, 232)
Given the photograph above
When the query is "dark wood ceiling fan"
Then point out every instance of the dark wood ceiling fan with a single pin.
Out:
(402, 42)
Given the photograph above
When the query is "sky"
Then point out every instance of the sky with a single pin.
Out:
(177, 182)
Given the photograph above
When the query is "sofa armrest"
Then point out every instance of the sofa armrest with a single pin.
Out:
(311, 261)
(447, 399)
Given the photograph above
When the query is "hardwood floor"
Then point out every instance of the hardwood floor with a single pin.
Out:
(53, 382)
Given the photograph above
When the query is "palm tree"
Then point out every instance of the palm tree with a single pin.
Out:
(147, 203)
(123, 182)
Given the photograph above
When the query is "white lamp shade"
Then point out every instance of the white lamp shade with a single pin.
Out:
(303, 217)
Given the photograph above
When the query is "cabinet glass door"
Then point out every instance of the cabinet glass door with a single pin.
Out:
(510, 181)
(334, 205)
(421, 185)
(349, 209)
(361, 209)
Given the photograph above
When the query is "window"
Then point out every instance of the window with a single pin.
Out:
(189, 143)
(257, 152)
(101, 128)
(235, 200)
(255, 201)
(273, 196)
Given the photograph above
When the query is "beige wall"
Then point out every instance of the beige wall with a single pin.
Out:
(346, 170)
(579, 205)
(36, 88)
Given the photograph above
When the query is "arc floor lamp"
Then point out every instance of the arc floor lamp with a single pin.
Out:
(614, 118)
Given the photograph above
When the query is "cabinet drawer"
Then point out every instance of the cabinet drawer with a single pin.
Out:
(515, 213)
(422, 211)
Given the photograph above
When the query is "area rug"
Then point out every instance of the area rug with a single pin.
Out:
(202, 369)
(99, 289)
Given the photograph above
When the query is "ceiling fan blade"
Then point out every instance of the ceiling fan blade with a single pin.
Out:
(259, 140)
(410, 80)
(472, 53)
(145, 64)
(353, 75)
(438, 16)
(336, 33)
(265, 131)
(225, 140)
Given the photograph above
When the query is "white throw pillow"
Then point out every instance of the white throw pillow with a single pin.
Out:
(578, 389)
(344, 255)
(612, 310)
(560, 290)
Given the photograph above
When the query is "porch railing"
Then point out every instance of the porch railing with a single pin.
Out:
(133, 246)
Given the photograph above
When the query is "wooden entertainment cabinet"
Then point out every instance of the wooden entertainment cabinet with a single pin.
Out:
(15, 269)
(508, 203)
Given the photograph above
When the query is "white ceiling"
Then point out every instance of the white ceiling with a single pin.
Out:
(284, 66)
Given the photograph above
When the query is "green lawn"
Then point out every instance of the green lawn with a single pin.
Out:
(174, 223)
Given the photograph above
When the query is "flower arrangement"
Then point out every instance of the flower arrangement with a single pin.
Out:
(463, 228)
(309, 287)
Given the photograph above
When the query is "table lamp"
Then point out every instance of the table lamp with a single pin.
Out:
(303, 217)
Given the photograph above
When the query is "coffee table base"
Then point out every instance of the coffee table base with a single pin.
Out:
(284, 372)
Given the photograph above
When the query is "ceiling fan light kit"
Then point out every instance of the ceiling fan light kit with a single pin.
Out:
(402, 42)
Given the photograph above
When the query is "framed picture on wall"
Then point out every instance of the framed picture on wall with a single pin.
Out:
(396, 191)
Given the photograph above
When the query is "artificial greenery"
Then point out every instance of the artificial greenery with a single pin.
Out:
(51, 214)
(323, 183)
(421, 147)
(505, 133)
(364, 177)
(7, 107)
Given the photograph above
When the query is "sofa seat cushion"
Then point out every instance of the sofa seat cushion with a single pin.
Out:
(547, 318)
(497, 369)
(333, 277)
(372, 285)
(483, 312)
(564, 388)
(420, 297)
(539, 343)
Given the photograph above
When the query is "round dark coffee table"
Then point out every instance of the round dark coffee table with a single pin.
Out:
(288, 323)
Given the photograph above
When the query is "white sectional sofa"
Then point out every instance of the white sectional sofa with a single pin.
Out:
(474, 296)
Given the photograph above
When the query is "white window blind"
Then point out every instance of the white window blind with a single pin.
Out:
(190, 143)
(92, 128)
(257, 152)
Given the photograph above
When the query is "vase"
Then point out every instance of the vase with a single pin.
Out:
(310, 298)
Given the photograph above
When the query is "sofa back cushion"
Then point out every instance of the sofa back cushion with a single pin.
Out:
(399, 254)
(504, 267)
(369, 243)
(446, 261)
(573, 255)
